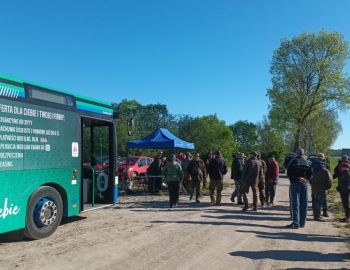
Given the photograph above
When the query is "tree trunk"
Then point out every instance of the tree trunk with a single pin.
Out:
(297, 135)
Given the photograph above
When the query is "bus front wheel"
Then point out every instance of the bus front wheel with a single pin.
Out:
(44, 213)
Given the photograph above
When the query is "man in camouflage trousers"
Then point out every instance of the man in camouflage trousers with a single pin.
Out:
(261, 183)
(251, 175)
(217, 170)
(197, 173)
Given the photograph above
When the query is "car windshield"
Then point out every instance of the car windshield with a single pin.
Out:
(102, 159)
(130, 160)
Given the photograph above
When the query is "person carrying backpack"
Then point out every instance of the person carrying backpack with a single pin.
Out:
(320, 182)
(217, 169)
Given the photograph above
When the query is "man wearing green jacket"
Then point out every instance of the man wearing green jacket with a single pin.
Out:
(320, 182)
(173, 174)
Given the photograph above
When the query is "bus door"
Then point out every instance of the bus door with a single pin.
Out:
(97, 183)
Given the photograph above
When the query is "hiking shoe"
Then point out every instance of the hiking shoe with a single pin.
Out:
(292, 226)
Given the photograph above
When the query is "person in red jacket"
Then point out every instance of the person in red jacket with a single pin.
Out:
(272, 173)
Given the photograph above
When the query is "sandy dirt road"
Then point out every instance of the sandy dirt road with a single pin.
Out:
(142, 233)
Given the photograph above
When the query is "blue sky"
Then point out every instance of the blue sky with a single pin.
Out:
(196, 56)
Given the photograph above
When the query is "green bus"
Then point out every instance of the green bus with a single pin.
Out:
(57, 156)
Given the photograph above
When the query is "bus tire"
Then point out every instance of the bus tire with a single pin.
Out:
(44, 213)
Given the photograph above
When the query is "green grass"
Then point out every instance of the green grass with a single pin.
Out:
(335, 205)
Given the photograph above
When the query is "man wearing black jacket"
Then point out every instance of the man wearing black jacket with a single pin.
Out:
(217, 170)
(299, 171)
(236, 175)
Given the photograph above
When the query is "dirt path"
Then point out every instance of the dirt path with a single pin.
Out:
(145, 235)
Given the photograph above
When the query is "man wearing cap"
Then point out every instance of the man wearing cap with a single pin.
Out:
(321, 181)
(197, 173)
(342, 172)
(251, 175)
(323, 159)
(217, 170)
(299, 172)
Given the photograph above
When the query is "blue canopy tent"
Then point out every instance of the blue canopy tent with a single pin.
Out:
(160, 139)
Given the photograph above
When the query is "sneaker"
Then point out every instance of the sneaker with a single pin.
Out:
(217, 204)
(198, 201)
(268, 204)
(255, 208)
(212, 203)
(292, 226)
(232, 199)
(240, 203)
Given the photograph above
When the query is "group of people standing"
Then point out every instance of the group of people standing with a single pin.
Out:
(257, 175)
(300, 171)
(261, 178)
(193, 171)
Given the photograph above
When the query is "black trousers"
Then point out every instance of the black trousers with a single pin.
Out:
(325, 204)
(345, 199)
(173, 187)
(270, 191)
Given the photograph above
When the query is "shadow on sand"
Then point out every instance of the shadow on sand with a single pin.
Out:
(292, 255)
(296, 236)
(222, 223)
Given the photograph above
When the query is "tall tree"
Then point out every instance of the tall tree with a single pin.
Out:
(307, 79)
(245, 135)
(208, 133)
(271, 140)
(147, 118)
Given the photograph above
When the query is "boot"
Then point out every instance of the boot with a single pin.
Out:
(317, 216)
(345, 219)
(218, 199)
(245, 208)
(325, 214)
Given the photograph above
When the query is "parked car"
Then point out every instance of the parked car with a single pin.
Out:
(133, 167)
(102, 163)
